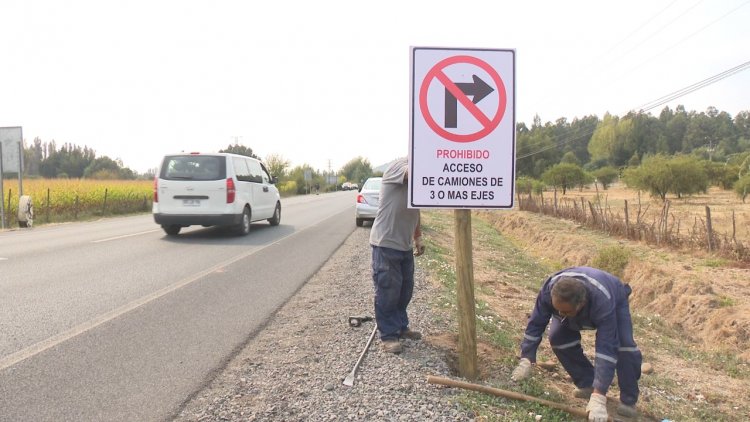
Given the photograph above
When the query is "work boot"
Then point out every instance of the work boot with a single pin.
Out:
(411, 335)
(583, 393)
(627, 411)
(392, 346)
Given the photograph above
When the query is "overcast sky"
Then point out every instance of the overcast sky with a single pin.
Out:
(322, 82)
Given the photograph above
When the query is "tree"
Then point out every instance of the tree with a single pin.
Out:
(536, 150)
(107, 168)
(721, 174)
(240, 150)
(297, 175)
(564, 176)
(689, 176)
(660, 175)
(524, 185)
(276, 165)
(652, 176)
(605, 176)
(570, 158)
(357, 170)
(602, 143)
(742, 187)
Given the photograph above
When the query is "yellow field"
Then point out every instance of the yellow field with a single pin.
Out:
(58, 200)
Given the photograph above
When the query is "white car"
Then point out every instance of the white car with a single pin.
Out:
(368, 200)
(216, 189)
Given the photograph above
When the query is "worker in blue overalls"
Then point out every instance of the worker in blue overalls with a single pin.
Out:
(584, 298)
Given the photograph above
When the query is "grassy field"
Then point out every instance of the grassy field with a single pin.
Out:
(678, 317)
(59, 200)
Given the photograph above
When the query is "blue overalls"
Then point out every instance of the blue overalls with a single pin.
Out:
(607, 312)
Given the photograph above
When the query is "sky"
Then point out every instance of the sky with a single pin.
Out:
(324, 82)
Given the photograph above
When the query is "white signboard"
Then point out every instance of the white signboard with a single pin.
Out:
(462, 144)
(10, 138)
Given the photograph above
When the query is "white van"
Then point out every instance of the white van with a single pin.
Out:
(216, 189)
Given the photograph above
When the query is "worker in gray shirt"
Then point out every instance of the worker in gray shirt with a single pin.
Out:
(396, 238)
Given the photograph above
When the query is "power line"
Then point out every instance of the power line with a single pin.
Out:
(694, 87)
(655, 103)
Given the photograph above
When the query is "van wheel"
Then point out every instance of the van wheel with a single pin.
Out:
(243, 228)
(172, 230)
(360, 222)
(276, 219)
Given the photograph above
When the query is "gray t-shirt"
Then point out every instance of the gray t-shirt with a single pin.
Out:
(394, 223)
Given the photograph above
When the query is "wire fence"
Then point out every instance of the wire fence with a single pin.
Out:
(54, 208)
(633, 222)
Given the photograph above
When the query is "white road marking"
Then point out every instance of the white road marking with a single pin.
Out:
(124, 236)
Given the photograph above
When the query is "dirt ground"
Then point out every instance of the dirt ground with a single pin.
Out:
(691, 313)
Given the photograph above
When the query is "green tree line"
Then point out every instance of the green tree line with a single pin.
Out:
(624, 141)
(47, 159)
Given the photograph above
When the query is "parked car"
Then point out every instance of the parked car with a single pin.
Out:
(368, 199)
(349, 186)
(216, 189)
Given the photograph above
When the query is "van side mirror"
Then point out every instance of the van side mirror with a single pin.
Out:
(274, 180)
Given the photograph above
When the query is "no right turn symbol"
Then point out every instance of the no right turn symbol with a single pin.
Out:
(459, 91)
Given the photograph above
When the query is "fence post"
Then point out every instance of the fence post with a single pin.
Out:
(627, 221)
(554, 207)
(709, 229)
(583, 210)
(8, 210)
(75, 210)
(104, 206)
(47, 205)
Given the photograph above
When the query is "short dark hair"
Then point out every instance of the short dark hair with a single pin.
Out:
(569, 290)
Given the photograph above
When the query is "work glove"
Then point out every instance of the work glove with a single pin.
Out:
(522, 371)
(418, 246)
(597, 408)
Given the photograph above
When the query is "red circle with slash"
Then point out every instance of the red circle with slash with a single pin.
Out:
(488, 124)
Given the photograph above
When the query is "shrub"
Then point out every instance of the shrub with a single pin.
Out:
(742, 187)
(612, 259)
(288, 188)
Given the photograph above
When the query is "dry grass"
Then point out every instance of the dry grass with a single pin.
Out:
(682, 223)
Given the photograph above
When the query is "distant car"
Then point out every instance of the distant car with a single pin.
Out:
(367, 201)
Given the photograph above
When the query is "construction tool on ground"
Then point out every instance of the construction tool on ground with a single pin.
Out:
(357, 320)
(507, 394)
(349, 380)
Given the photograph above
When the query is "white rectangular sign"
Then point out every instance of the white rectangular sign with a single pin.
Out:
(462, 143)
(11, 138)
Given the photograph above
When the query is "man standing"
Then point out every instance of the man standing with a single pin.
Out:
(393, 254)
(584, 298)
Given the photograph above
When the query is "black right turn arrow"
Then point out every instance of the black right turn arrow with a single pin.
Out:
(477, 89)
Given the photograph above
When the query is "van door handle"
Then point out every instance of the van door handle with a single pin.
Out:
(265, 188)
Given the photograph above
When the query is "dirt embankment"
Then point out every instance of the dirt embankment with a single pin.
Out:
(704, 298)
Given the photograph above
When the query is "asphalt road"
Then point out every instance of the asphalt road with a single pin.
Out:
(114, 321)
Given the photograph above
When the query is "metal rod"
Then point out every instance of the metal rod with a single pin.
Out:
(349, 380)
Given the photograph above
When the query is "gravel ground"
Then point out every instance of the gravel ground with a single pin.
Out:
(292, 370)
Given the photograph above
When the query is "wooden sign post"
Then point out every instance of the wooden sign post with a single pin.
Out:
(462, 153)
(467, 331)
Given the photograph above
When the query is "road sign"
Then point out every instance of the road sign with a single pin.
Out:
(10, 139)
(462, 144)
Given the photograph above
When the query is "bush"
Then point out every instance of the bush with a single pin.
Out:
(612, 259)
(524, 185)
(288, 188)
(742, 187)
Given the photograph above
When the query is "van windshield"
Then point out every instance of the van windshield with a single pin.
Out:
(193, 167)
